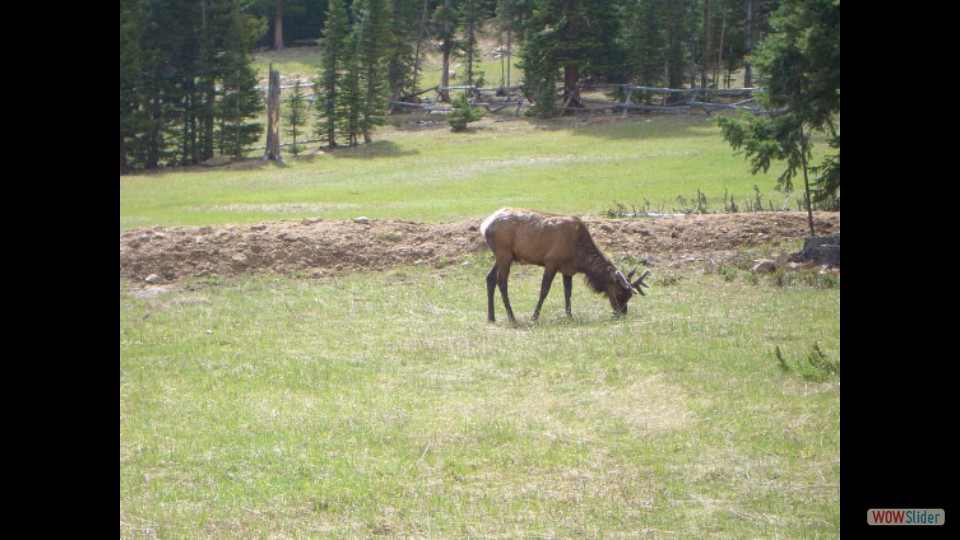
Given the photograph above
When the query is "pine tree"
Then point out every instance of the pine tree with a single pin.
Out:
(471, 16)
(241, 102)
(652, 40)
(508, 14)
(463, 114)
(329, 82)
(800, 63)
(575, 36)
(296, 115)
(174, 55)
(349, 100)
(405, 31)
(372, 41)
(445, 20)
(132, 115)
(644, 37)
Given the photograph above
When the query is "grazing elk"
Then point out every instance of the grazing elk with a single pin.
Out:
(558, 244)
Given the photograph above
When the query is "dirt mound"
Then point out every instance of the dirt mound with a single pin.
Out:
(316, 247)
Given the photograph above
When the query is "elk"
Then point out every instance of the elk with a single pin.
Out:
(558, 244)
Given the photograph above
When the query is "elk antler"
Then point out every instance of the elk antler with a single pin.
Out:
(623, 280)
(639, 282)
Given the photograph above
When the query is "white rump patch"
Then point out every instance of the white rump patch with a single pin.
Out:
(489, 221)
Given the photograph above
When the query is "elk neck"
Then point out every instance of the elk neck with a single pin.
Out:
(592, 263)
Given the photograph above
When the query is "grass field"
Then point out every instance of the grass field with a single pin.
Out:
(434, 175)
(386, 406)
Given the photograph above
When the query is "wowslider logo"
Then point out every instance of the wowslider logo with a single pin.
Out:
(903, 516)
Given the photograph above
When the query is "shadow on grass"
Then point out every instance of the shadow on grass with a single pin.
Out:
(246, 164)
(525, 323)
(614, 127)
(643, 126)
(376, 149)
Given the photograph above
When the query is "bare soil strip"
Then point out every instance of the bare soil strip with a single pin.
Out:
(317, 248)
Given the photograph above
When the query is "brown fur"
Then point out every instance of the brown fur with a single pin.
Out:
(558, 244)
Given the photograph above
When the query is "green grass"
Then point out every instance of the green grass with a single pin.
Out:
(434, 175)
(385, 405)
(304, 63)
(292, 63)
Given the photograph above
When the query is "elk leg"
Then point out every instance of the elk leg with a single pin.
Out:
(491, 285)
(567, 289)
(503, 276)
(548, 276)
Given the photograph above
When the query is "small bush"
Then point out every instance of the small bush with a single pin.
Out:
(818, 367)
(463, 114)
(804, 278)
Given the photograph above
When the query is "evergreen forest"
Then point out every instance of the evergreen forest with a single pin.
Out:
(188, 91)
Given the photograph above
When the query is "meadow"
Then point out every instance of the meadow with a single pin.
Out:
(383, 404)
(430, 174)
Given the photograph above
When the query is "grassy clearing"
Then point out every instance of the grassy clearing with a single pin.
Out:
(304, 63)
(564, 165)
(575, 165)
(293, 63)
(385, 405)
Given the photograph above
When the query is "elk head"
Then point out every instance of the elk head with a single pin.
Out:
(621, 290)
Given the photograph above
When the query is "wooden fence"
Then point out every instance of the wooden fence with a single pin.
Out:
(499, 98)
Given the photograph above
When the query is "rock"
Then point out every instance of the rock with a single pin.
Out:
(152, 278)
(803, 265)
(362, 220)
(217, 161)
(764, 266)
(822, 250)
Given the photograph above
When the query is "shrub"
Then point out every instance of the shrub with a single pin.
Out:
(463, 114)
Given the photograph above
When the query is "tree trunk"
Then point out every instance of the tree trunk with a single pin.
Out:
(416, 55)
(571, 86)
(693, 45)
(278, 26)
(806, 182)
(447, 49)
(123, 155)
(747, 68)
(273, 117)
(509, 51)
(719, 66)
(706, 46)
(666, 78)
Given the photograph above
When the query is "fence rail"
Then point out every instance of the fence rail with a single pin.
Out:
(507, 96)
(512, 96)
